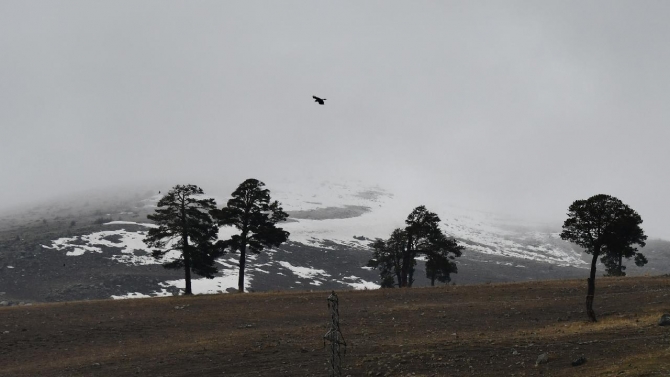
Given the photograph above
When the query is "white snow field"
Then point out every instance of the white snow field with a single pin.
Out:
(304, 272)
(336, 216)
(130, 244)
(480, 232)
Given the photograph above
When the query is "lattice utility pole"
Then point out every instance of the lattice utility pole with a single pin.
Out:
(338, 347)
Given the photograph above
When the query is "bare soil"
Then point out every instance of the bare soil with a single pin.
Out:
(479, 330)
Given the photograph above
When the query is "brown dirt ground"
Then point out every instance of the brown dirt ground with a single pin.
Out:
(482, 330)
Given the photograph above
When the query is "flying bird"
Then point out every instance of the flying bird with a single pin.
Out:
(319, 100)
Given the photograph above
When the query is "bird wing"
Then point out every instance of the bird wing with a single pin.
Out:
(316, 98)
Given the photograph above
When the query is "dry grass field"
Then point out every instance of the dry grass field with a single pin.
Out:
(482, 330)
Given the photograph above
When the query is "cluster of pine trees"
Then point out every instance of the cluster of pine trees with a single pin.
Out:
(395, 257)
(188, 223)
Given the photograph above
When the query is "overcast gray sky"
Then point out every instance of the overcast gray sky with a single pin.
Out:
(507, 106)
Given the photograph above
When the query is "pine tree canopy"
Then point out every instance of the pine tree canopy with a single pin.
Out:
(604, 224)
(184, 224)
(396, 257)
(421, 225)
(252, 212)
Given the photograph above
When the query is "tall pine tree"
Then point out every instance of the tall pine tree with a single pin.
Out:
(603, 226)
(184, 224)
(251, 211)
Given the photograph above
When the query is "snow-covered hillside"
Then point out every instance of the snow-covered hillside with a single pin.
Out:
(331, 217)
(384, 211)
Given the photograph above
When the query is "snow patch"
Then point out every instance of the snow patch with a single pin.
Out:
(219, 284)
(131, 245)
(303, 272)
(362, 284)
(130, 295)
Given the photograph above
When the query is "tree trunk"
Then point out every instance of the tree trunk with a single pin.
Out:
(405, 262)
(398, 268)
(591, 289)
(243, 249)
(243, 262)
(620, 264)
(186, 254)
(403, 271)
(432, 280)
(187, 267)
(240, 280)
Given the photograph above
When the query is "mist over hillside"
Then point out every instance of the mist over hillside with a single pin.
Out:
(502, 107)
(520, 124)
(91, 246)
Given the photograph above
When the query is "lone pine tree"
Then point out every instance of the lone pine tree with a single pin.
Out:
(603, 226)
(421, 236)
(184, 224)
(255, 216)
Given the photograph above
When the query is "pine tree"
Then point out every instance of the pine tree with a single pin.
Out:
(251, 211)
(421, 236)
(421, 227)
(184, 224)
(603, 226)
(387, 258)
(440, 264)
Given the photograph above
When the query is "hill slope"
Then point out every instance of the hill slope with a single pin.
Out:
(92, 248)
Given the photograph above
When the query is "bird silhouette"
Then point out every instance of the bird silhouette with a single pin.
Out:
(319, 100)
